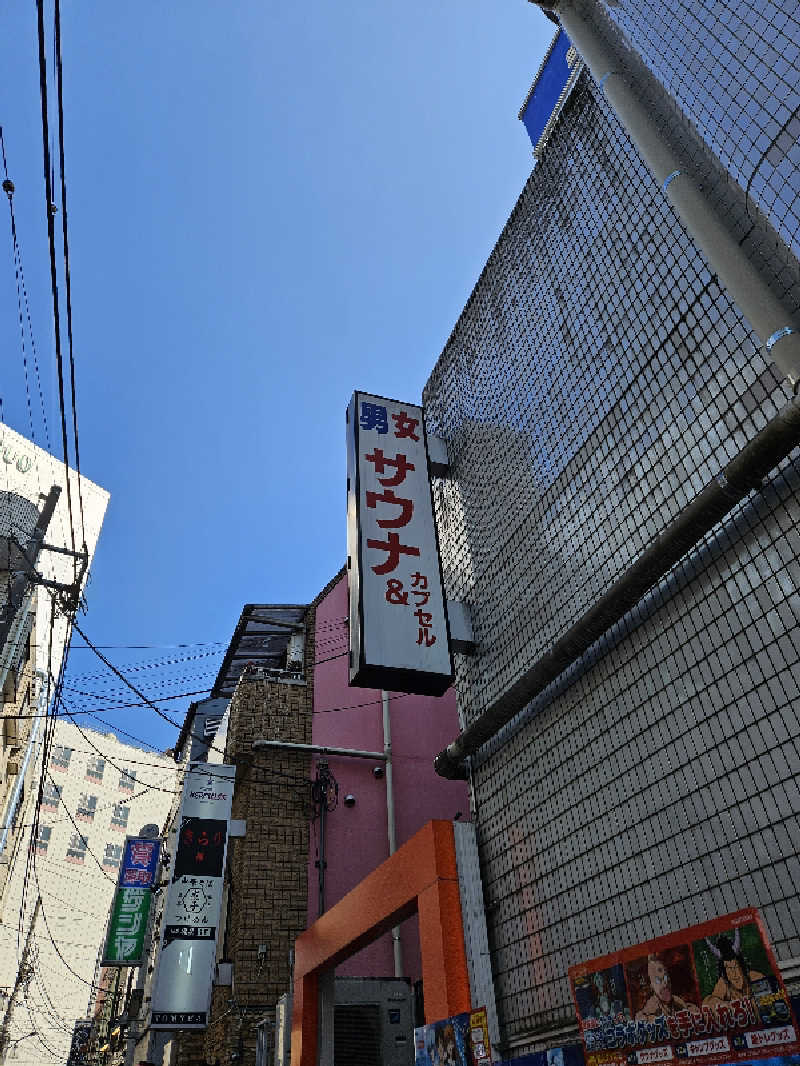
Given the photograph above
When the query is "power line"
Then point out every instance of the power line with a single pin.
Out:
(22, 289)
(65, 240)
(50, 206)
(105, 710)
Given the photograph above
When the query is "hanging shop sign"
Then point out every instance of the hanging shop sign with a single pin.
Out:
(399, 632)
(708, 994)
(185, 968)
(462, 1040)
(79, 1046)
(130, 909)
(139, 866)
(127, 927)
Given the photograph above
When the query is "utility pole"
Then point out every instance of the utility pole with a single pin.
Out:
(21, 578)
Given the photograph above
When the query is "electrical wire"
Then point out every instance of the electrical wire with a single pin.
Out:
(49, 206)
(65, 241)
(19, 271)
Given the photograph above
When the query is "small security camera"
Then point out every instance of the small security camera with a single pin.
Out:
(349, 800)
(377, 772)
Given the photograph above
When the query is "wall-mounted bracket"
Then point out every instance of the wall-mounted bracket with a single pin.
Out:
(438, 459)
(462, 638)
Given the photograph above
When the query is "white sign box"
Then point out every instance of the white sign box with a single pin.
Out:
(399, 633)
(185, 969)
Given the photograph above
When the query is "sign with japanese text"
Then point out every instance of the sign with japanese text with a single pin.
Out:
(462, 1040)
(127, 927)
(139, 866)
(399, 633)
(79, 1046)
(185, 969)
(709, 994)
(131, 905)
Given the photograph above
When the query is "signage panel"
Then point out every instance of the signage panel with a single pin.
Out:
(130, 908)
(182, 987)
(399, 632)
(127, 928)
(79, 1046)
(139, 867)
(709, 994)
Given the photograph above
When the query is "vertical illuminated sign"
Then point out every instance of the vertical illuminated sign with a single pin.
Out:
(182, 987)
(399, 632)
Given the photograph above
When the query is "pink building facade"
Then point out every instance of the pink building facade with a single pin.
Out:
(356, 837)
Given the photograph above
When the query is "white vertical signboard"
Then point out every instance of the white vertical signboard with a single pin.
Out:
(399, 633)
(182, 987)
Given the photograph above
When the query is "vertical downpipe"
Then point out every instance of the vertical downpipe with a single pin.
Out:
(397, 947)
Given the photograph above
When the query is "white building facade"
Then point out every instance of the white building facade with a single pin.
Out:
(32, 645)
(97, 790)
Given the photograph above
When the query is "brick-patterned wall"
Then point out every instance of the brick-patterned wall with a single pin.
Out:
(268, 867)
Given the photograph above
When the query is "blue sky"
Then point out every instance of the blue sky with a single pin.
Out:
(270, 205)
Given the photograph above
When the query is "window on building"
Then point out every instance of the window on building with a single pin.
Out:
(51, 796)
(43, 838)
(60, 756)
(87, 805)
(95, 768)
(113, 855)
(127, 781)
(76, 852)
(119, 816)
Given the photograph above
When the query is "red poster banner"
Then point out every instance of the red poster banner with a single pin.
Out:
(705, 995)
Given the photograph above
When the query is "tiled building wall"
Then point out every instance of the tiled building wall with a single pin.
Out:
(268, 878)
(732, 67)
(596, 380)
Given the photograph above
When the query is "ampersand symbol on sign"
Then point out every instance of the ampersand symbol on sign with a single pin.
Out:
(394, 591)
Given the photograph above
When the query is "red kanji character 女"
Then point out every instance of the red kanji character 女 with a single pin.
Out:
(394, 548)
(406, 506)
(405, 426)
(381, 461)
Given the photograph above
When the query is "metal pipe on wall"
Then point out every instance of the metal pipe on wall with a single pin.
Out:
(777, 327)
(397, 947)
(743, 474)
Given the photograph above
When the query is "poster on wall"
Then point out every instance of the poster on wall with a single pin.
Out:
(462, 1040)
(186, 960)
(706, 995)
(399, 630)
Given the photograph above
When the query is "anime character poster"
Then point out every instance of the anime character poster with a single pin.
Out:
(708, 995)
(462, 1040)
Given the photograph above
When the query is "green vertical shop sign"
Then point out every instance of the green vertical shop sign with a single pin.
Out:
(126, 930)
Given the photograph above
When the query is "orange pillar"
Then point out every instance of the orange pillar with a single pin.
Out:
(445, 978)
(421, 876)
